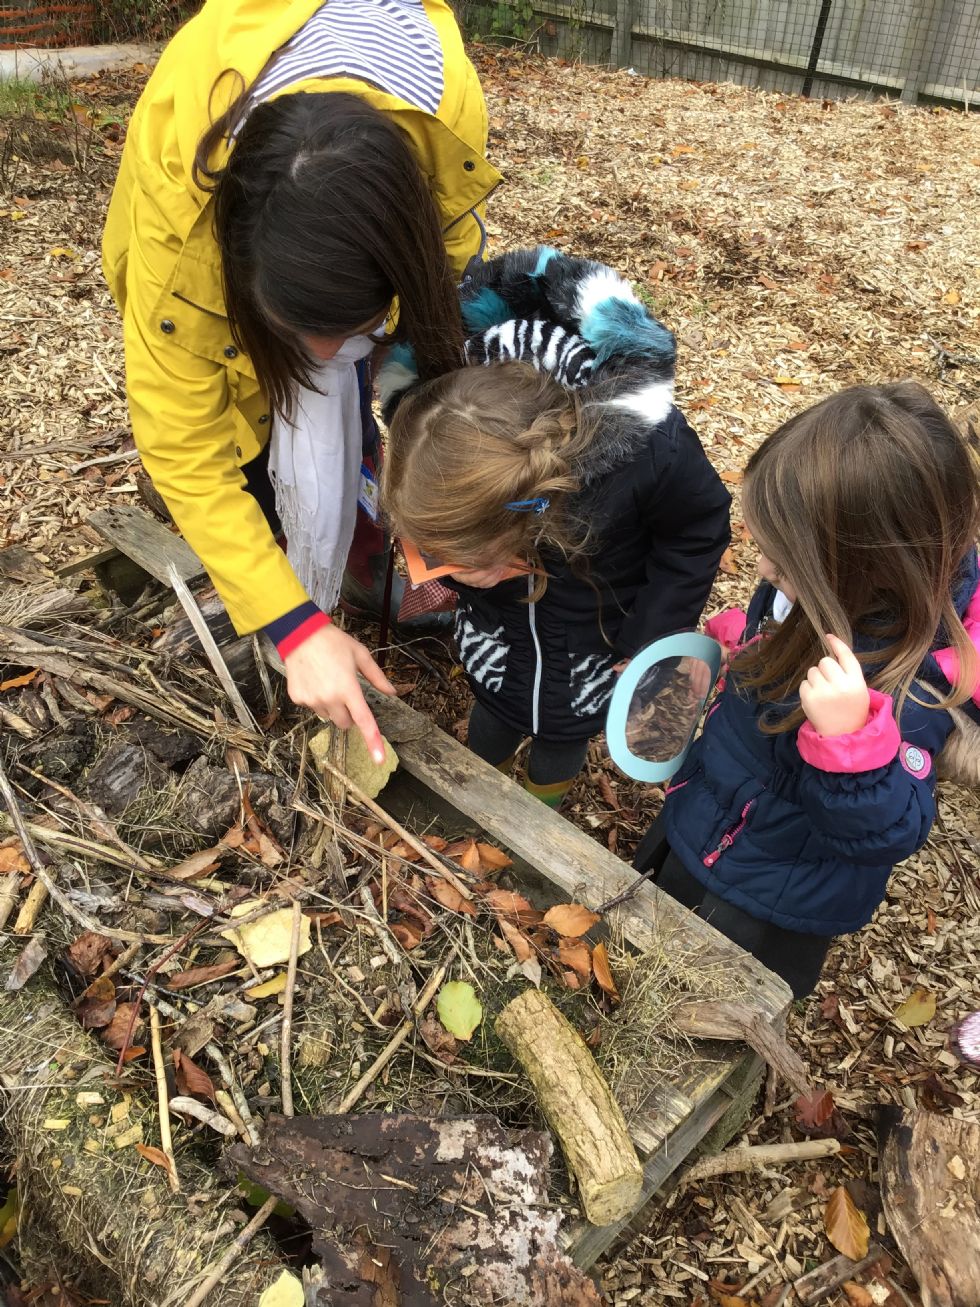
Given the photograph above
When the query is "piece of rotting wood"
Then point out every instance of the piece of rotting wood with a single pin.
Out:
(718, 1019)
(823, 1280)
(577, 1104)
(210, 646)
(147, 542)
(930, 1190)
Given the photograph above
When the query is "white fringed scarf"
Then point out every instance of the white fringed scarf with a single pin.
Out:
(315, 467)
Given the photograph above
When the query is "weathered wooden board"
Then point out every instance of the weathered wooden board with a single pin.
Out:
(147, 542)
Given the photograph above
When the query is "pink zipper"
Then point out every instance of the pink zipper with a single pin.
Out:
(730, 836)
(679, 786)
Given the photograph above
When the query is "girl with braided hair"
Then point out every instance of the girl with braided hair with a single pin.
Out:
(575, 504)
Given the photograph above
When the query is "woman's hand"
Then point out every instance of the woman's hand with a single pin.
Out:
(321, 674)
(835, 695)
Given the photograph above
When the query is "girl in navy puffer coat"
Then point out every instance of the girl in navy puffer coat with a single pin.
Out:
(857, 665)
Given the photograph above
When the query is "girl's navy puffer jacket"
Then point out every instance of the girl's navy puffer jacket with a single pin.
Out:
(802, 831)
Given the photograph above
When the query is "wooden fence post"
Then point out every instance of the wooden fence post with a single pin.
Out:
(622, 37)
(920, 46)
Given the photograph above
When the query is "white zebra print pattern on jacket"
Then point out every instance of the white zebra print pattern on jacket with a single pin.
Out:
(482, 653)
(592, 678)
(545, 345)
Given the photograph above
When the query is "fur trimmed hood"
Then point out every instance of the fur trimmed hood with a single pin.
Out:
(575, 319)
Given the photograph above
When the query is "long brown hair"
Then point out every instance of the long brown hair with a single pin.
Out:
(323, 218)
(464, 446)
(868, 503)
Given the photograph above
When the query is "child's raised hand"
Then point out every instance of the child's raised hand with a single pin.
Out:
(835, 695)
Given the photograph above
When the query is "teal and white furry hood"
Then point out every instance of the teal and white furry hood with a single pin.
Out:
(573, 318)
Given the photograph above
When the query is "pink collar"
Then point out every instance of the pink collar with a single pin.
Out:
(947, 658)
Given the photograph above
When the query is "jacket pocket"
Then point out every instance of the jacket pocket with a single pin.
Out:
(483, 652)
(730, 835)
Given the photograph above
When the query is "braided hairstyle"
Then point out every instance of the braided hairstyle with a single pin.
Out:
(465, 445)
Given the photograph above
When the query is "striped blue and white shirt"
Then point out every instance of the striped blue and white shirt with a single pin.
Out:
(389, 43)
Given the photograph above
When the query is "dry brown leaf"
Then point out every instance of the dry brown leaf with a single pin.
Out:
(198, 864)
(97, 1006)
(132, 1053)
(570, 919)
(438, 1039)
(155, 1155)
(16, 681)
(951, 297)
(449, 896)
(13, 859)
(602, 972)
(191, 1079)
(727, 563)
(814, 1110)
(116, 1031)
(576, 954)
(531, 968)
(846, 1227)
(88, 953)
(408, 935)
(506, 901)
(434, 842)
(571, 980)
(515, 938)
(28, 960)
(726, 1295)
(324, 919)
(470, 859)
(201, 975)
(857, 1295)
(492, 858)
(732, 476)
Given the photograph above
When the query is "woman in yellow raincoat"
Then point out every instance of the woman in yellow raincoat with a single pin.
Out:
(293, 169)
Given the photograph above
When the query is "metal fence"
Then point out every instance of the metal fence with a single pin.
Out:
(919, 50)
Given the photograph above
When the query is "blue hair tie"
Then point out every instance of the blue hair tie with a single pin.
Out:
(528, 505)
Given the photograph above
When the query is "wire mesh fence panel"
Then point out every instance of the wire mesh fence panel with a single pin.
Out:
(917, 49)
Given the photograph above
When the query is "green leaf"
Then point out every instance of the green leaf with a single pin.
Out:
(9, 1215)
(918, 1008)
(256, 1196)
(460, 1011)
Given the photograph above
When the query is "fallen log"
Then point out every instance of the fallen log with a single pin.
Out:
(403, 1207)
(718, 1019)
(930, 1191)
(74, 1130)
(577, 1104)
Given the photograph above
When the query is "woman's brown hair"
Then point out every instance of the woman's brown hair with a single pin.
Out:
(323, 218)
(464, 446)
(868, 503)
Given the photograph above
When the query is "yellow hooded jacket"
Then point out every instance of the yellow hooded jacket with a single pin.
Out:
(198, 413)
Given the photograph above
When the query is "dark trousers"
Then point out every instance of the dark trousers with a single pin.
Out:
(548, 763)
(796, 957)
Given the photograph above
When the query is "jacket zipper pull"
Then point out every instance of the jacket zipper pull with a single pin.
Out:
(729, 837)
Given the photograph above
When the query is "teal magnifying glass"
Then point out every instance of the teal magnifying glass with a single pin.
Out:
(657, 704)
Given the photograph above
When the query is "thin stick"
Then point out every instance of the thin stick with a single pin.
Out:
(166, 1138)
(210, 646)
(31, 908)
(227, 1105)
(236, 1091)
(76, 844)
(41, 872)
(406, 1028)
(201, 1112)
(239, 1245)
(287, 1013)
(424, 853)
(379, 930)
(753, 1155)
(9, 886)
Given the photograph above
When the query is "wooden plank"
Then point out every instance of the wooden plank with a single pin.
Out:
(147, 542)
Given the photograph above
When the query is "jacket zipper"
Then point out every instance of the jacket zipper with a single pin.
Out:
(730, 836)
(536, 686)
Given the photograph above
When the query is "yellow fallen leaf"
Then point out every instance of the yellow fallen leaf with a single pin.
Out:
(787, 381)
(369, 775)
(268, 987)
(62, 252)
(9, 1215)
(17, 214)
(71, 1191)
(918, 1009)
(952, 297)
(265, 942)
(691, 184)
(92, 1146)
(287, 1291)
(846, 1226)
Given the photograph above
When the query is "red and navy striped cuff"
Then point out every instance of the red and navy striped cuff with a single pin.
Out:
(289, 631)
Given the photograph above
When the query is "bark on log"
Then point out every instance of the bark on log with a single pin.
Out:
(578, 1105)
(930, 1190)
(80, 1171)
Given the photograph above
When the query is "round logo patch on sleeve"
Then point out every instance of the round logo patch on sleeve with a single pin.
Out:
(915, 761)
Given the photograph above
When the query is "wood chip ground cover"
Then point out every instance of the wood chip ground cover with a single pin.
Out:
(794, 248)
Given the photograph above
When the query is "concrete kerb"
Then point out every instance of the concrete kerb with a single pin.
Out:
(28, 64)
